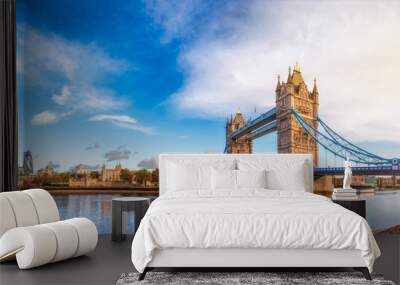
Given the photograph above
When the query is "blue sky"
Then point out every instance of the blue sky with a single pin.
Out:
(147, 74)
(133, 79)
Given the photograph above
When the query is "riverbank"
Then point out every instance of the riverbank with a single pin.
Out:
(131, 191)
(137, 191)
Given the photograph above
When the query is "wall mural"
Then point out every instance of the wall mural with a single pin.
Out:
(104, 87)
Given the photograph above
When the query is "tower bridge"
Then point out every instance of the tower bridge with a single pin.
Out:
(300, 129)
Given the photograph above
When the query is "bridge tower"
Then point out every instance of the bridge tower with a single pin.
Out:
(241, 144)
(292, 138)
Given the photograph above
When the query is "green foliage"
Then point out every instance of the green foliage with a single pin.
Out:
(45, 179)
(126, 175)
(155, 176)
(80, 175)
(94, 175)
(143, 175)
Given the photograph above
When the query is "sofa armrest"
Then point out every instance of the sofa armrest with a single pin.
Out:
(41, 244)
(32, 246)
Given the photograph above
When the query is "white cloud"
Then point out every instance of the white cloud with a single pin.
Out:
(176, 17)
(46, 118)
(88, 98)
(118, 154)
(51, 164)
(124, 121)
(93, 146)
(63, 97)
(150, 163)
(351, 47)
(114, 118)
(74, 72)
(85, 166)
(71, 60)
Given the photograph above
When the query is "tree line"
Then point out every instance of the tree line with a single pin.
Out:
(142, 177)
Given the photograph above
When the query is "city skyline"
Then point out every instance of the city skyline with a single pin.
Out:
(158, 77)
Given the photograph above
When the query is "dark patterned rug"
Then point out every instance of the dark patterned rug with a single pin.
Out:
(228, 278)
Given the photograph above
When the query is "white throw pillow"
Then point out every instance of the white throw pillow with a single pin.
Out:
(223, 179)
(282, 173)
(188, 177)
(251, 178)
(293, 179)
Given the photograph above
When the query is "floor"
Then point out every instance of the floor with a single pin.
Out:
(103, 266)
(111, 259)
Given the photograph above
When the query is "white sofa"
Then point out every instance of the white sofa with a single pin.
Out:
(31, 230)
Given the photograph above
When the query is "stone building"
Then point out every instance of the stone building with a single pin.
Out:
(85, 182)
(292, 138)
(110, 174)
(241, 144)
(83, 169)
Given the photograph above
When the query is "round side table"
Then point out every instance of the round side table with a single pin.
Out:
(120, 208)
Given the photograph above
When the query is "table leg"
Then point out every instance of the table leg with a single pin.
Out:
(116, 221)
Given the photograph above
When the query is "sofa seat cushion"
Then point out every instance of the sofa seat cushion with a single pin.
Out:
(24, 211)
(26, 208)
(45, 206)
(7, 220)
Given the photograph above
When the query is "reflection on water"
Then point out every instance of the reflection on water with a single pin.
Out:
(383, 211)
(94, 207)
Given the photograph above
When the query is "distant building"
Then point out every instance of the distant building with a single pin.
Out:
(371, 180)
(360, 181)
(82, 169)
(357, 180)
(49, 170)
(28, 163)
(109, 174)
(387, 181)
(84, 182)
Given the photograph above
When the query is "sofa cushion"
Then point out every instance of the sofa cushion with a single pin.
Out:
(32, 246)
(7, 220)
(41, 244)
(46, 207)
(23, 208)
(67, 240)
(87, 235)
